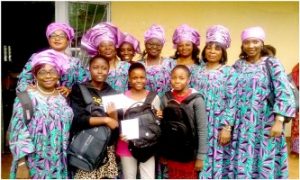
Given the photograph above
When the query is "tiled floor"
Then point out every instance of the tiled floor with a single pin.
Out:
(293, 166)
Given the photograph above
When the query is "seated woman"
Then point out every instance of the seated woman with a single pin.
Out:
(39, 147)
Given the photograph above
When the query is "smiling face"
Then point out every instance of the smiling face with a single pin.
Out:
(126, 52)
(252, 47)
(47, 77)
(99, 69)
(137, 79)
(58, 41)
(107, 49)
(153, 47)
(185, 48)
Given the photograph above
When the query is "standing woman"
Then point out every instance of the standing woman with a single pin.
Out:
(258, 136)
(129, 47)
(104, 39)
(39, 147)
(186, 41)
(158, 68)
(60, 36)
(217, 83)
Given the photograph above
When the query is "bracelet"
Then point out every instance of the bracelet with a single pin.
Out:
(21, 164)
(227, 128)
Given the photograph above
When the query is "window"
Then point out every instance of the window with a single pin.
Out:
(82, 16)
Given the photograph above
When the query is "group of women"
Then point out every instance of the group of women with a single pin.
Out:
(245, 131)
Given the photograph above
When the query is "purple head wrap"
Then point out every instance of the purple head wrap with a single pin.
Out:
(185, 32)
(253, 32)
(125, 37)
(101, 32)
(155, 31)
(57, 59)
(60, 26)
(220, 34)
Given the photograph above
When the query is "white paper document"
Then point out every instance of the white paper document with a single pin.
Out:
(120, 101)
(130, 128)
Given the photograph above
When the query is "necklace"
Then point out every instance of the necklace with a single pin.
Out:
(44, 92)
(159, 62)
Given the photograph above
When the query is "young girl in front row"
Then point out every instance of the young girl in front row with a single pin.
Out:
(136, 93)
(180, 79)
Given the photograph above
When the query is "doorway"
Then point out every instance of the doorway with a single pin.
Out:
(23, 33)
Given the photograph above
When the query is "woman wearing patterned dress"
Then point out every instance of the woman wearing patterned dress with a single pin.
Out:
(158, 68)
(294, 77)
(39, 147)
(129, 47)
(258, 140)
(104, 39)
(59, 36)
(217, 83)
(186, 41)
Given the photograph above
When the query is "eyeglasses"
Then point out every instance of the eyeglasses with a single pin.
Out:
(59, 36)
(52, 73)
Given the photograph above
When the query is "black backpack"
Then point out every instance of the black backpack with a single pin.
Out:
(149, 131)
(88, 147)
(179, 136)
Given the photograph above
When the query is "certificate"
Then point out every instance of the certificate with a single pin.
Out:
(120, 101)
(130, 128)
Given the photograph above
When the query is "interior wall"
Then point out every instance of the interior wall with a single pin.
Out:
(278, 19)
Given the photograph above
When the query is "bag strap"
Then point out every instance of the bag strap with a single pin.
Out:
(191, 97)
(150, 97)
(26, 105)
(86, 94)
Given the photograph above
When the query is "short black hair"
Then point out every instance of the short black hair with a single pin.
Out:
(98, 56)
(136, 65)
(184, 67)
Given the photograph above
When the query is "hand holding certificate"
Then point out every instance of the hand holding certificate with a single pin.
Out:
(130, 128)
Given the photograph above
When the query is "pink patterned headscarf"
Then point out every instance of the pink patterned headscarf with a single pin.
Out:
(57, 59)
(125, 37)
(104, 31)
(185, 32)
(60, 26)
(155, 31)
(253, 32)
(220, 34)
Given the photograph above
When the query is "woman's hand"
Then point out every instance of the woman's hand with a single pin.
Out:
(22, 171)
(111, 123)
(112, 111)
(224, 136)
(64, 90)
(198, 165)
(277, 127)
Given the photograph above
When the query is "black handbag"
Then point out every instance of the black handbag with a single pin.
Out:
(88, 148)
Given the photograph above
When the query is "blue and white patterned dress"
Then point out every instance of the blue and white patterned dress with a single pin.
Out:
(118, 78)
(256, 155)
(158, 76)
(44, 140)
